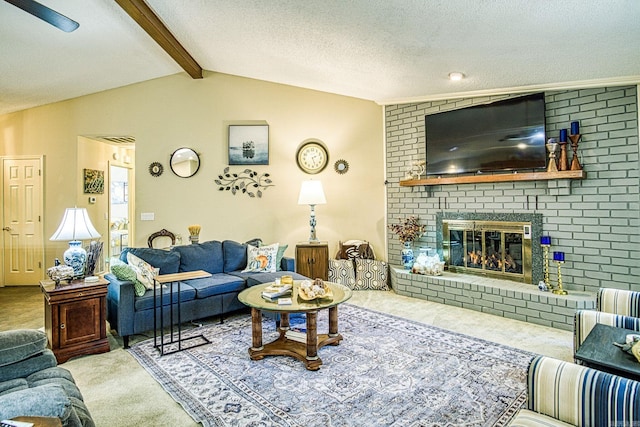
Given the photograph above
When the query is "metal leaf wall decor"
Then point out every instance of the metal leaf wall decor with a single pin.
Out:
(247, 182)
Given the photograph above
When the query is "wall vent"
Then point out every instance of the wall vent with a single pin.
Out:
(118, 140)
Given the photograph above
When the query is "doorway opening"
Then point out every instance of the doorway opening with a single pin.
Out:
(119, 209)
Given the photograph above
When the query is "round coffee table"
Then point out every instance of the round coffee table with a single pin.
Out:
(289, 343)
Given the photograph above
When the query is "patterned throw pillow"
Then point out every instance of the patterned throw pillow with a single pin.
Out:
(124, 272)
(342, 271)
(262, 258)
(144, 271)
(371, 274)
(281, 250)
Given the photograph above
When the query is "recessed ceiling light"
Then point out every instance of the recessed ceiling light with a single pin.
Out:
(455, 76)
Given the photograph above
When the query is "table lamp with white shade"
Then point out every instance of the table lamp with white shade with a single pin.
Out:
(312, 194)
(75, 226)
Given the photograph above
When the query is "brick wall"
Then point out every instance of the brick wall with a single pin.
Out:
(596, 222)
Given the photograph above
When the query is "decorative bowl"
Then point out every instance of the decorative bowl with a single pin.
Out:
(302, 293)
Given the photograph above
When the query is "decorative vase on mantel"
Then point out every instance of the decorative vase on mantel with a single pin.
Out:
(407, 256)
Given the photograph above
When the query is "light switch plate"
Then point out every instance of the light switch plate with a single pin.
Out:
(147, 216)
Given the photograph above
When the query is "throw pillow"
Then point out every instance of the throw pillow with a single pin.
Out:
(281, 251)
(144, 271)
(125, 272)
(371, 274)
(279, 256)
(262, 258)
(342, 271)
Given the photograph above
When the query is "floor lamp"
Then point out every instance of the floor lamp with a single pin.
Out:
(312, 194)
(75, 226)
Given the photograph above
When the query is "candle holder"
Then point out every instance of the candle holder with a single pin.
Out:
(545, 252)
(558, 257)
(575, 163)
(552, 146)
(563, 163)
(559, 290)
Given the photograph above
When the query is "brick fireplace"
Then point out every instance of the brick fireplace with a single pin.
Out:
(496, 245)
(593, 221)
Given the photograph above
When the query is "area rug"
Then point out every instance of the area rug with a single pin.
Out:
(387, 371)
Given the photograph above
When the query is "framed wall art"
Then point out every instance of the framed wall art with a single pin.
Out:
(93, 181)
(248, 144)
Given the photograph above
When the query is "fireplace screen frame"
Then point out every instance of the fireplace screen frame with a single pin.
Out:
(484, 227)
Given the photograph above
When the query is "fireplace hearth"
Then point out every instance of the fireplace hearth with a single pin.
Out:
(492, 245)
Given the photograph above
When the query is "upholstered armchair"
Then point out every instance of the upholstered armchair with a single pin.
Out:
(562, 394)
(614, 307)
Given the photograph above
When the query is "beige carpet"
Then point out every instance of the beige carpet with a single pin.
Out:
(119, 392)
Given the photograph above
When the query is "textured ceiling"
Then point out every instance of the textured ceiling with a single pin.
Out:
(381, 50)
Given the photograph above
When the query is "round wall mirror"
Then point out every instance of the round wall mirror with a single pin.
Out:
(185, 162)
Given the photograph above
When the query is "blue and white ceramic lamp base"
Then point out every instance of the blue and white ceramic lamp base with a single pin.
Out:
(76, 257)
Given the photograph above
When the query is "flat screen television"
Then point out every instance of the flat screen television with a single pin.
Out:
(506, 135)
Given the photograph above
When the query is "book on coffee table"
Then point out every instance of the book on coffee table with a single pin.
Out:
(277, 292)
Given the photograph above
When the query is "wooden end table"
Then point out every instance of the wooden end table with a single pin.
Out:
(597, 351)
(312, 260)
(302, 347)
(75, 317)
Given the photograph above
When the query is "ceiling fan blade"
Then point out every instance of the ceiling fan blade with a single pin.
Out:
(46, 14)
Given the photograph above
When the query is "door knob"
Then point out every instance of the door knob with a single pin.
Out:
(6, 228)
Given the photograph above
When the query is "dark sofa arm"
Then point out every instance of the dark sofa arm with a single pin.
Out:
(287, 264)
(120, 305)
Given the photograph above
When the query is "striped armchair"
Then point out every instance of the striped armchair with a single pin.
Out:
(564, 394)
(614, 307)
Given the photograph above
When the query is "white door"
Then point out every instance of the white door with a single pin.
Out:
(23, 246)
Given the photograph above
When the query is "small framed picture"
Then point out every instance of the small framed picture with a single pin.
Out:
(248, 144)
(93, 181)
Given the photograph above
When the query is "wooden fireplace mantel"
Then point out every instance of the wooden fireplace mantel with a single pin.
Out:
(471, 179)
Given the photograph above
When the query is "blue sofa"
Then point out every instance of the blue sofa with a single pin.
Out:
(129, 314)
(562, 394)
(31, 383)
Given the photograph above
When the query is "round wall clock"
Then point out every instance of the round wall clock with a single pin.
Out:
(312, 156)
(156, 169)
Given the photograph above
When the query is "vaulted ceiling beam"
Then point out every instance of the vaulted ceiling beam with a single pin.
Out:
(151, 23)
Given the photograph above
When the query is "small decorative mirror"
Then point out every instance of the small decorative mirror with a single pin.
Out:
(185, 162)
(341, 166)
